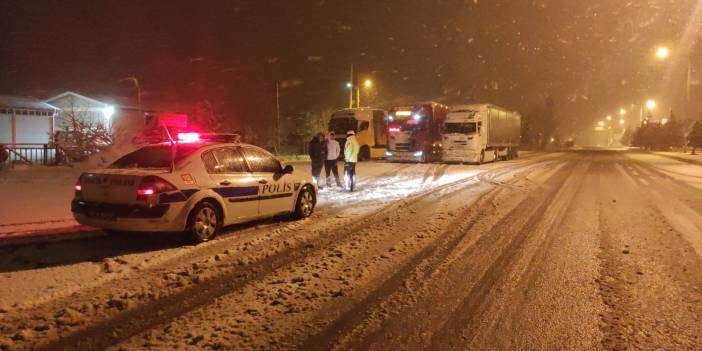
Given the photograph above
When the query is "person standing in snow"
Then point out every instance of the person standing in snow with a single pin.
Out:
(351, 149)
(330, 164)
(318, 154)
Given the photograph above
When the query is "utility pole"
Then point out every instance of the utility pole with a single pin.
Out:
(277, 118)
(358, 96)
(351, 87)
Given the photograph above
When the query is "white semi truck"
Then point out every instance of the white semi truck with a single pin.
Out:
(480, 133)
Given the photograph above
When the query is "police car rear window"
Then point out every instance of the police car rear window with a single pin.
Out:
(155, 156)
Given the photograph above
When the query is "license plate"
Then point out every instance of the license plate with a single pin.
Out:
(102, 214)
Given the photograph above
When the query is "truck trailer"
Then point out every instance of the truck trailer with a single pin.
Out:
(480, 133)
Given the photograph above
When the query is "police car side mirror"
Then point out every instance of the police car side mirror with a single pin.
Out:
(288, 169)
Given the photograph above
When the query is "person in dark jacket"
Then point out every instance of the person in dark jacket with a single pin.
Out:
(318, 154)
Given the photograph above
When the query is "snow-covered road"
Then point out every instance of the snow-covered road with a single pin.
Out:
(583, 250)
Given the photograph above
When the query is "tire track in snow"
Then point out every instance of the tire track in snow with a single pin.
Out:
(422, 263)
(133, 321)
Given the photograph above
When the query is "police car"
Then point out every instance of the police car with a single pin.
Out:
(197, 184)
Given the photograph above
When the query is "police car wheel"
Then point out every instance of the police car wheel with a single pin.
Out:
(204, 222)
(305, 203)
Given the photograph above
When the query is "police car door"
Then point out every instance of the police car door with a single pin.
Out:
(275, 189)
(231, 180)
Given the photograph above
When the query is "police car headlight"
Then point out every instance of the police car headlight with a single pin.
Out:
(388, 153)
(418, 154)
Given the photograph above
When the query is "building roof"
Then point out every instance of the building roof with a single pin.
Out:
(123, 103)
(76, 95)
(11, 101)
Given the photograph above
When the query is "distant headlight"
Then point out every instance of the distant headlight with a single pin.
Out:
(388, 153)
(418, 154)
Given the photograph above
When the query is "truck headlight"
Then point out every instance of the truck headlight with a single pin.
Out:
(388, 153)
(418, 154)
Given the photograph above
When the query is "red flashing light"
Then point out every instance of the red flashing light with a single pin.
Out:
(394, 129)
(189, 137)
(412, 122)
(146, 191)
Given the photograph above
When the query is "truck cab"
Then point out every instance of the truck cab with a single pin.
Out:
(414, 133)
(370, 125)
(480, 133)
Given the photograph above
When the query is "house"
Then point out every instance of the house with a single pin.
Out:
(76, 108)
(123, 120)
(26, 129)
(26, 121)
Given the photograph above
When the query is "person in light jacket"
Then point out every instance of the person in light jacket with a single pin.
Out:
(318, 154)
(330, 164)
(351, 149)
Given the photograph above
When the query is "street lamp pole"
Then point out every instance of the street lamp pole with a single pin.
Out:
(351, 87)
(135, 81)
(358, 96)
(277, 117)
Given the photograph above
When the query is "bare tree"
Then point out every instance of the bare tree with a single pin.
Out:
(83, 132)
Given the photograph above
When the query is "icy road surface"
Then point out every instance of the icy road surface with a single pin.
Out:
(586, 250)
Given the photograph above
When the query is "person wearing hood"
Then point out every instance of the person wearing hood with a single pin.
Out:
(351, 149)
(330, 165)
(318, 154)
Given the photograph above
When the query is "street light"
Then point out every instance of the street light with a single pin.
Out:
(651, 104)
(662, 52)
(367, 84)
(609, 118)
(600, 123)
(622, 111)
(621, 122)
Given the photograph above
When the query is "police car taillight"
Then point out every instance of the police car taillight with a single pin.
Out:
(151, 186)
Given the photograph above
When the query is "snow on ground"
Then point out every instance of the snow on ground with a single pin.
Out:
(379, 183)
(41, 275)
(36, 198)
(679, 166)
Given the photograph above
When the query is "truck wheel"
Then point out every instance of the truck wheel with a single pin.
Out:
(204, 221)
(364, 154)
(306, 201)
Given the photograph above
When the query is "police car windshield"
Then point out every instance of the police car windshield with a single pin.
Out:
(155, 156)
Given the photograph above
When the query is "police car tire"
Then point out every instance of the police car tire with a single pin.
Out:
(303, 208)
(208, 213)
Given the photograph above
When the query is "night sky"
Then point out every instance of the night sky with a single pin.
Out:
(591, 56)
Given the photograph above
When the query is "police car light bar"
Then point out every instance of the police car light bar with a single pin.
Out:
(403, 113)
(188, 137)
(193, 137)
